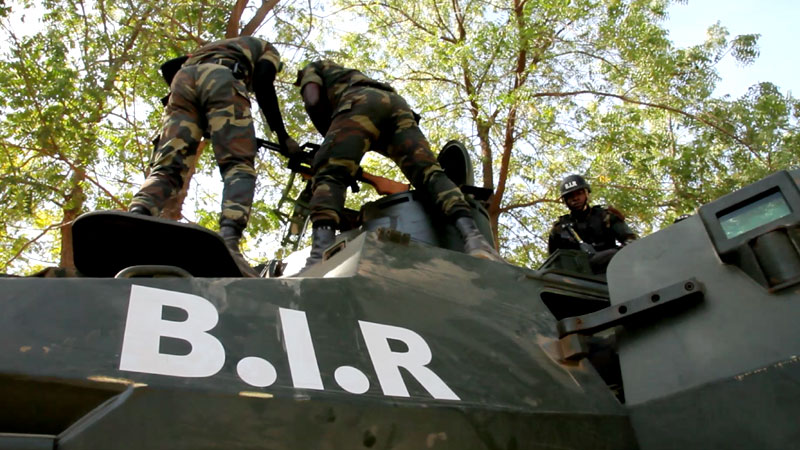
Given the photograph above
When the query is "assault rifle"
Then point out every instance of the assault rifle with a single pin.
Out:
(585, 246)
(302, 163)
(598, 260)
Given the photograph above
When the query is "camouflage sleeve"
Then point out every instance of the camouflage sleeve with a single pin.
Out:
(270, 53)
(308, 74)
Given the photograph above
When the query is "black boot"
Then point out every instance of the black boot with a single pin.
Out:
(232, 236)
(139, 209)
(321, 238)
(474, 243)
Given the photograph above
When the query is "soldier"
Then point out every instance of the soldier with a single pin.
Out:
(209, 94)
(357, 114)
(599, 231)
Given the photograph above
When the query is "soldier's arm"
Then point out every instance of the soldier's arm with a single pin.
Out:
(622, 232)
(264, 87)
(554, 240)
(317, 107)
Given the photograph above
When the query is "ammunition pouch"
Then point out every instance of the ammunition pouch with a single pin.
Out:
(171, 67)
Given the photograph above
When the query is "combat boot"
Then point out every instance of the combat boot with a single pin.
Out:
(474, 243)
(232, 236)
(321, 238)
(139, 209)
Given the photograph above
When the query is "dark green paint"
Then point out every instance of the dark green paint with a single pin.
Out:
(718, 373)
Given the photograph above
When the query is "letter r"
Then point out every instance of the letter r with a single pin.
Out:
(387, 363)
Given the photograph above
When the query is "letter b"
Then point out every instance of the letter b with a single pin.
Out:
(144, 328)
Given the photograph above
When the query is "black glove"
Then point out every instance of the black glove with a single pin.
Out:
(290, 146)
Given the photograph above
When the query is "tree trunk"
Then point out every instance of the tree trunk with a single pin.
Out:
(72, 210)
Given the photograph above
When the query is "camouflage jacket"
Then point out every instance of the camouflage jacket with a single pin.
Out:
(246, 50)
(335, 80)
(601, 227)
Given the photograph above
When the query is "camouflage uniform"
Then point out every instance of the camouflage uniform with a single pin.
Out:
(369, 115)
(210, 95)
(601, 227)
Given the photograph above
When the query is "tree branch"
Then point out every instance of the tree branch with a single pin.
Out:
(657, 106)
(31, 241)
(508, 208)
(232, 28)
(258, 18)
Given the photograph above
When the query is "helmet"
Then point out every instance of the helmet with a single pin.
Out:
(572, 183)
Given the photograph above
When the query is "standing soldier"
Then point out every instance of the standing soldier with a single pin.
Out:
(209, 95)
(599, 227)
(357, 114)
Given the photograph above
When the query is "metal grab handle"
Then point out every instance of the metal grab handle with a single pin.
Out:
(154, 271)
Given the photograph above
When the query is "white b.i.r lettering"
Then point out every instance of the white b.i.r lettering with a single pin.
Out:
(145, 327)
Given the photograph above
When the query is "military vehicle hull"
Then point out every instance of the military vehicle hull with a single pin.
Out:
(690, 341)
(401, 346)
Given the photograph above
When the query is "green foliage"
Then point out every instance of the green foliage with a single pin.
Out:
(556, 87)
(536, 89)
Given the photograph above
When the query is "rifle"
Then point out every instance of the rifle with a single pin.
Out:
(585, 246)
(302, 163)
(299, 162)
(297, 219)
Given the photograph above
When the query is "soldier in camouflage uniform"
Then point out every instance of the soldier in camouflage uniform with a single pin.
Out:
(603, 228)
(357, 114)
(209, 95)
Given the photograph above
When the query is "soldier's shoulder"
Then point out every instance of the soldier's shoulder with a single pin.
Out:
(612, 211)
(559, 223)
(325, 64)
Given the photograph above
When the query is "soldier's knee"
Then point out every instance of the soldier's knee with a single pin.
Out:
(431, 176)
(237, 171)
(337, 173)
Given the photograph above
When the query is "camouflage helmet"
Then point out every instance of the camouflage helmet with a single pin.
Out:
(572, 183)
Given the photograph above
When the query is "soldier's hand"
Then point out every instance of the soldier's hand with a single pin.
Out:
(291, 147)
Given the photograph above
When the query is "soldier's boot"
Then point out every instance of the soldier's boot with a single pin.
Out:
(139, 209)
(232, 236)
(474, 243)
(321, 238)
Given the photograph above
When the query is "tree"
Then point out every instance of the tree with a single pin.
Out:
(58, 87)
(538, 89)
(545, 88)
(80, 103)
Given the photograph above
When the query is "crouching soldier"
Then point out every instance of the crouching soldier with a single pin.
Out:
(598, 230)
(209, 95)
(357, 114)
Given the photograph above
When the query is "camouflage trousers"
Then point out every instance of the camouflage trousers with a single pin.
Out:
(205, 98)
(367, 119)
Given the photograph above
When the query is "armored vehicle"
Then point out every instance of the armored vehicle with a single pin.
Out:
(398, 340)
